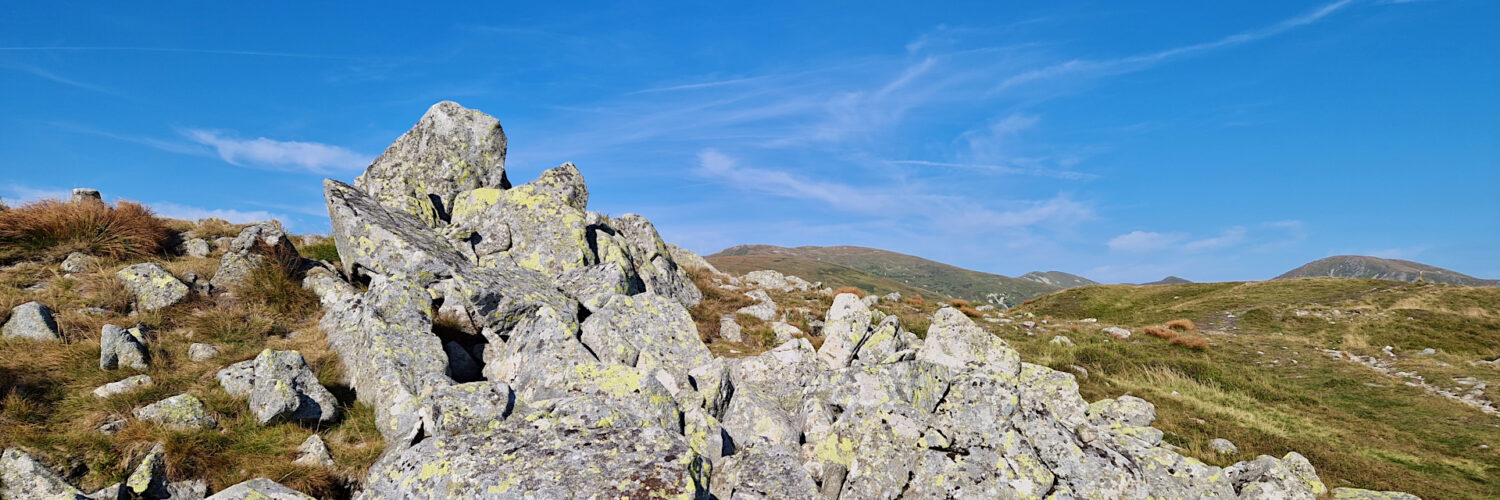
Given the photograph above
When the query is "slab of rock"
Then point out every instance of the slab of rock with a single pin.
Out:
(152, 286)
(465, 408)
(284, 388)
(687, 259)
(763, 472)
(953, 340)
(149, 479)
(123, 386)
(181, 412)
(846, 327)
(200, 352)
(314, 452)
(518, 459)
(120, 347)
(259, 489)
(1290, 477)
(658, 330)
(540, 225)
(31, 320)
(78, 262)
(86, 195)
(653, 262)
(452, 149)
(22, 476)
(372, 239)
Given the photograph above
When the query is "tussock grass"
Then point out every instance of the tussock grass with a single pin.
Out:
(50, 230)
(324, 251)
(1159, 332)
(1182, 324)
(850, 289)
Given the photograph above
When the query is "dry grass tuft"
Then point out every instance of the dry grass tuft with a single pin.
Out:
(960, 303)
(1194, 343)
(51, 229)
(276, 287)
(1182, 324)
(970, 312)
(915, 301)
(716, 302)
(1160, 332)
(849, 289)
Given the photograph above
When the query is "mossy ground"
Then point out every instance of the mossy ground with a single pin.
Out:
(47, 406)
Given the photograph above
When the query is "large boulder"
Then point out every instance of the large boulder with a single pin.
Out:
(646, 331)
(539, 225)
(372, 239)
(22, 476)
(451, 150)
(152, 286)
(518, 459)
(846, 327)
(953, 340)
(286, 389)
(31, 320)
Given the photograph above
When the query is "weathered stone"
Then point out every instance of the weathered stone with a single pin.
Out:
(86, 195)
(653, 262)
(195, 247)
(452, 149)
(518, 460)
(784, 332)
(152, 286)
(591, 285)
(730, 329)
(1359, 494)
(779, 374)
(494, 300)
(772, 280)
(538, 356)
(123, 386)
(953, 340)
(763, 308)
(751, 417)
(883, 343)
(79, 262)
(846, 327)
(286, 389)
(255, 246)
(1266, 477)
(372, 239)
(22, 476)
(465, 408)
(120, 347)
(539, 225)
(1223, 446)
(181, 412)
(1061, 340)
(1117, 332)
(31, 320)
(199, 352)
(259, 489)
(1125, 411)
(149, 479)
(314, 452)
(646, 331)
(687, 259)
(238, 379)
(763, 472)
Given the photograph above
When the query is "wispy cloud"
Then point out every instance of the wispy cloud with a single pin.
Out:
(272, 154)
(186, 212)
(1139, 61)
(48, 75)
(1145, 241)
(1230, 237)
(16, 194)
(1003, 169)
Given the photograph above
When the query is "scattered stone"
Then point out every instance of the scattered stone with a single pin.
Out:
(109, 428)
(284, 388)
(123, 386)
(729, 329)
(181, 412)
(1090, 320)
(149, 478)
(31, 320)
(784, 332)
(1061, 340)
(86, 195)
(196, 247)
(1223, 446)
(152, 286)
(259, 489)
(763, 308)
(1359, 494)
(313, 452)
(1427, 352)
(255, 245)
(79, 262)
(199, 352)
(22, 476)
(1117, 332)
(120, 347)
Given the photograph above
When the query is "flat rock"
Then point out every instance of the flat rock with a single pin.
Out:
(123, 386)
(259, 489)
(22, 476)
(152, 286)
(181, 412)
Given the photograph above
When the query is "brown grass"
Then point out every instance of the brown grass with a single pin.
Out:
(960, 303)
(1161, 332)
(915, 301)
(1182, 324)
(970, 312)
(849, 289)
(716, 303)
(276, 287)
(51, 229)
(1194, 343)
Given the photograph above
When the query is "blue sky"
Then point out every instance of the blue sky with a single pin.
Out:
(1122, 141)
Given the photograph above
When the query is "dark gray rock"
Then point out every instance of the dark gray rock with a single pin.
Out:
(120, 347)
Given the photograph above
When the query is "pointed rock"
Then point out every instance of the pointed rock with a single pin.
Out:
(450, 150)
(31, 320)
(313, 452)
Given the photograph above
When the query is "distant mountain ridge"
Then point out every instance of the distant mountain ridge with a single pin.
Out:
(943, 279)
(1360, 266)
(1169, 280)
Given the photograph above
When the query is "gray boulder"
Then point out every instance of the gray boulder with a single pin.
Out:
(591, 285)
(152, 286)
(1223, 446)
(31, 320)
(120, 347)
(780, 374)
(372, 239)
(86, 195)
(22, 476)
(528, 460)
(78, 262)
(730, 329)
(284, 388)
(238, 379)
(884, 343)
(259, 489)
(953, 340)
(763, 308)
(763, 472)
(646, 331)
(465, 408)
(1266, 477)
(687, 259)
(128, 384)
(451, 150)
(653, 262)
(181, 412)
(314, 452)
(195, 247)
(539, 225)
(255, 246)
(751, 418)
(846, 327)
(200, 352)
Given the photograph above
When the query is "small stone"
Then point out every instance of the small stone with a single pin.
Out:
(314, 452)
(1223, 446)
(729, 329)
(259, 489)
(1427, 352)
(181, 412)
(31, 320)
(196, 247)
(78, 262)
(149, 478)
(86, 195)
(120, 347)
(111, 427)
(1117, 332)
(1061, 340)
(123, 386)
(199, 352)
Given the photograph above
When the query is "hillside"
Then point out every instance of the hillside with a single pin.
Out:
(1169, 280)
(1359, 266)
(1058, 279)
(1302, 364)
(818, 271)
(952, 281)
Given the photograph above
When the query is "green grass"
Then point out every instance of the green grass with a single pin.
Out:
(325, 251)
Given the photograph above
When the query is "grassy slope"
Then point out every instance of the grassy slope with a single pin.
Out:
(1359, 266)
(1359, 427)
(947, 280)
(815, 270)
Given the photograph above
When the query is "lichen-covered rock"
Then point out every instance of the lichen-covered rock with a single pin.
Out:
(259, 489)
(22, 476)
(86, 195)
(591, 285)
(284, 388)
(1266, 477)
(763, 472)
(539, 225)
(772, 280)
(883, 343)
(120, 347)
(538, 356)
(237, 379)
(255, 245)
(730, 329)
(780, 374)
(1223, 446)
(199, 352)
(784, 332)
(653, 262)
(31, 320)
(751, 417)
(1359, 494)
(646, 331)
(181, 412)
(495, 300)
(954, 340)
(687, 259)
(518, 460)
(152, 286)
(373, 239)
(465, 408)
(195, 247)
(123, 386)
(846, 326)
(764, 308)
(314, 452)
(78, 262)
(1125, 411)
(452, 149)
(149, 479)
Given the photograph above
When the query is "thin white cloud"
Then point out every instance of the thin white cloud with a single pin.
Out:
(48, 75)
(1135, 62)
(186, 212)
(1003, 169)
(19, 194)
(1144, 241)
(272, 154)
(1230, 237)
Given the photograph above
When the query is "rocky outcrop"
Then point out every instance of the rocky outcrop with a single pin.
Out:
(31, 320)
(254, 247)
(22, 476)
